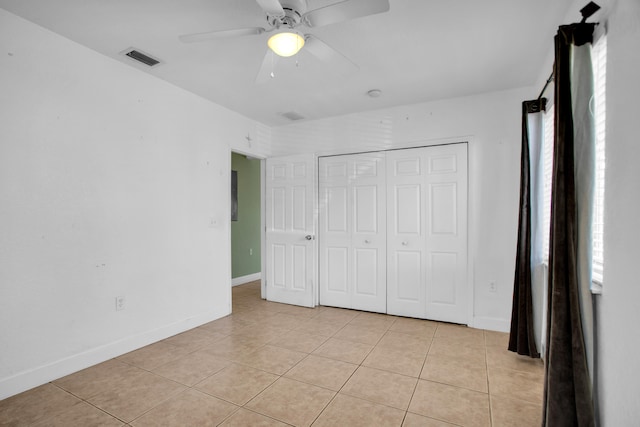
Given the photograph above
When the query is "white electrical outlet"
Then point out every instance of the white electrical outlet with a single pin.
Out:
(493, 287)
(119, 303)
(250, 251)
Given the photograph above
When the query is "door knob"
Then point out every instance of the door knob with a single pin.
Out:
(367, 241)
(405, 243)
(308, 237)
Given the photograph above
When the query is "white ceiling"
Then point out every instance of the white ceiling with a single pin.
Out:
(420, 50)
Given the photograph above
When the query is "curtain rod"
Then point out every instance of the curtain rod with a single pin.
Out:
(549, 80)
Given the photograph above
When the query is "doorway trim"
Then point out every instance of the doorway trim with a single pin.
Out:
(262, 220)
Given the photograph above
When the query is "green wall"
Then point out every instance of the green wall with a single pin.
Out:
(245, 233)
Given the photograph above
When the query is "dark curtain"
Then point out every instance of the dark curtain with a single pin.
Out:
(567, 393)
(521, 337)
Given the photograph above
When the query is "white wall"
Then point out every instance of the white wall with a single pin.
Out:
(111, 183)
(619, 316)
(491, 123)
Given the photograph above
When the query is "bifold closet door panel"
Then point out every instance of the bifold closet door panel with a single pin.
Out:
(446, 240)
(406, 271)
(427, 233)
(352, 232)
(334, 239)
(368, 237)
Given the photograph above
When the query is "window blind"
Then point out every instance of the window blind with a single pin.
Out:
(599, 58)
(548, 125)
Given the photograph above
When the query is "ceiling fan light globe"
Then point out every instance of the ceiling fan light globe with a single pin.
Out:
(286, 43)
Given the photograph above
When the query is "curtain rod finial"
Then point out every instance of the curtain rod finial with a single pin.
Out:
(588, 10)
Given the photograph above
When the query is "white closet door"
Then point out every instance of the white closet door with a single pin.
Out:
(290, 236)
(446, 243)
(406, 233)
(334, 237)
(427, 232)
(352, 239)
(368, 237)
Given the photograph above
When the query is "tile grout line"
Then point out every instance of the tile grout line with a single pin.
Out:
(81, 401)
(424, 364)
(171, 396)
(280, 376)
(486, 364)
(350, 376)
(335, 392)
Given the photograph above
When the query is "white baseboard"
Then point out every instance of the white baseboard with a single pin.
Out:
(491, 324)
(246, 279)
(26, 380)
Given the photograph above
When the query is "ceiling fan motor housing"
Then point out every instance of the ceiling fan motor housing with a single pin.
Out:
(293, 11)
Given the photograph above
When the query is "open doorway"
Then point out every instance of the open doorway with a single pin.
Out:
(246, 224)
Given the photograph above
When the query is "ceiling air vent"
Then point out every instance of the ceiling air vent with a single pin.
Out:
(292, 115)
(141, 57)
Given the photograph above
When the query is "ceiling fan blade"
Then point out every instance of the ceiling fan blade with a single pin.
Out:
(212, 35)
(267, 68)
(271, 7)
(345, 10)
(338, 62)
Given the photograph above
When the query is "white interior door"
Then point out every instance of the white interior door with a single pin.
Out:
(427, 232)
(290, 237)
(353, 240)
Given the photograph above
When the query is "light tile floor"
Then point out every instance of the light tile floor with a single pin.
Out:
(271, 364)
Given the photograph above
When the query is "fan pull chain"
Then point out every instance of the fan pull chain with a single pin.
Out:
(272, 74)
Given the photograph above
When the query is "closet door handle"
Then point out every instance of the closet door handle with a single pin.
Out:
(367, 241)
(405, 243)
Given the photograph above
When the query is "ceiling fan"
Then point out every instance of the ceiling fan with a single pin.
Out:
(286, 18)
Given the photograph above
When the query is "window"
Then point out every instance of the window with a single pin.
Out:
(548, 172)
(599, 57)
